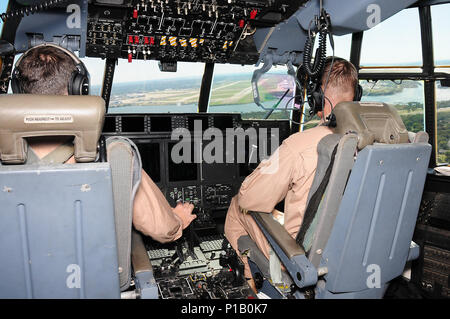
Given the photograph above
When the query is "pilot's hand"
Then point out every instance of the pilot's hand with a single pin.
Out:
(184, 211)
(278, 216)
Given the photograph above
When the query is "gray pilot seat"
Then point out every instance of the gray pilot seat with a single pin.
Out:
(65, 229)
(356, 235)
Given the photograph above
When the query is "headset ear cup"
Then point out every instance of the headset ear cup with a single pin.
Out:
(78, 83)
(318, 100)
(358, 93)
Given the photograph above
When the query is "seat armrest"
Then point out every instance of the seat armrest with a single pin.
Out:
(291, 254)
(279, 234)
(143, 270)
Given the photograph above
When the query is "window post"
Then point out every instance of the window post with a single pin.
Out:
(429, 82)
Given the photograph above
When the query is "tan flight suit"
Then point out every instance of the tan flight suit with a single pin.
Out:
(296, 161)
(152, 214)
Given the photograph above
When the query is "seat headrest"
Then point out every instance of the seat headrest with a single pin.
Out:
(27, 115)
(372, 121)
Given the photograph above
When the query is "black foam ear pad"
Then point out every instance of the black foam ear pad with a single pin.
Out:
(358, 93)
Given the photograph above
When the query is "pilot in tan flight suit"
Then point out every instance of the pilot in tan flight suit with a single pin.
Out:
(47, 70)
(288, 174)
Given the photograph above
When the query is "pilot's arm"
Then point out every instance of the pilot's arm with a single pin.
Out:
(270, 181)
(154, 217)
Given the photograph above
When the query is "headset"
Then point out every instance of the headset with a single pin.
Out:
(79, 82)
(316, 95)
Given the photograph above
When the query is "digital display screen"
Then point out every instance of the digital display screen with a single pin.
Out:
(183, 171)
(151, 163)
(133, 124)
(110, 125)
(161, 124)
(223, 122)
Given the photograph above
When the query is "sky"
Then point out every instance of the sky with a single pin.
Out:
(394, 41)
(3, 4)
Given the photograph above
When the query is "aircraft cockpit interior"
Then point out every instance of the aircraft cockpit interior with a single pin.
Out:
(200, 100)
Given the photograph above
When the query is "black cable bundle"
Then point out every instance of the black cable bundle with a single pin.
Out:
(31, 9)
(319, 60)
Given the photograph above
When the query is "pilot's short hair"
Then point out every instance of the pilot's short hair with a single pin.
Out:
(343, 75)
(46, 70)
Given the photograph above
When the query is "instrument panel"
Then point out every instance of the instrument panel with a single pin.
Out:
(209, 186)
(216, 31)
